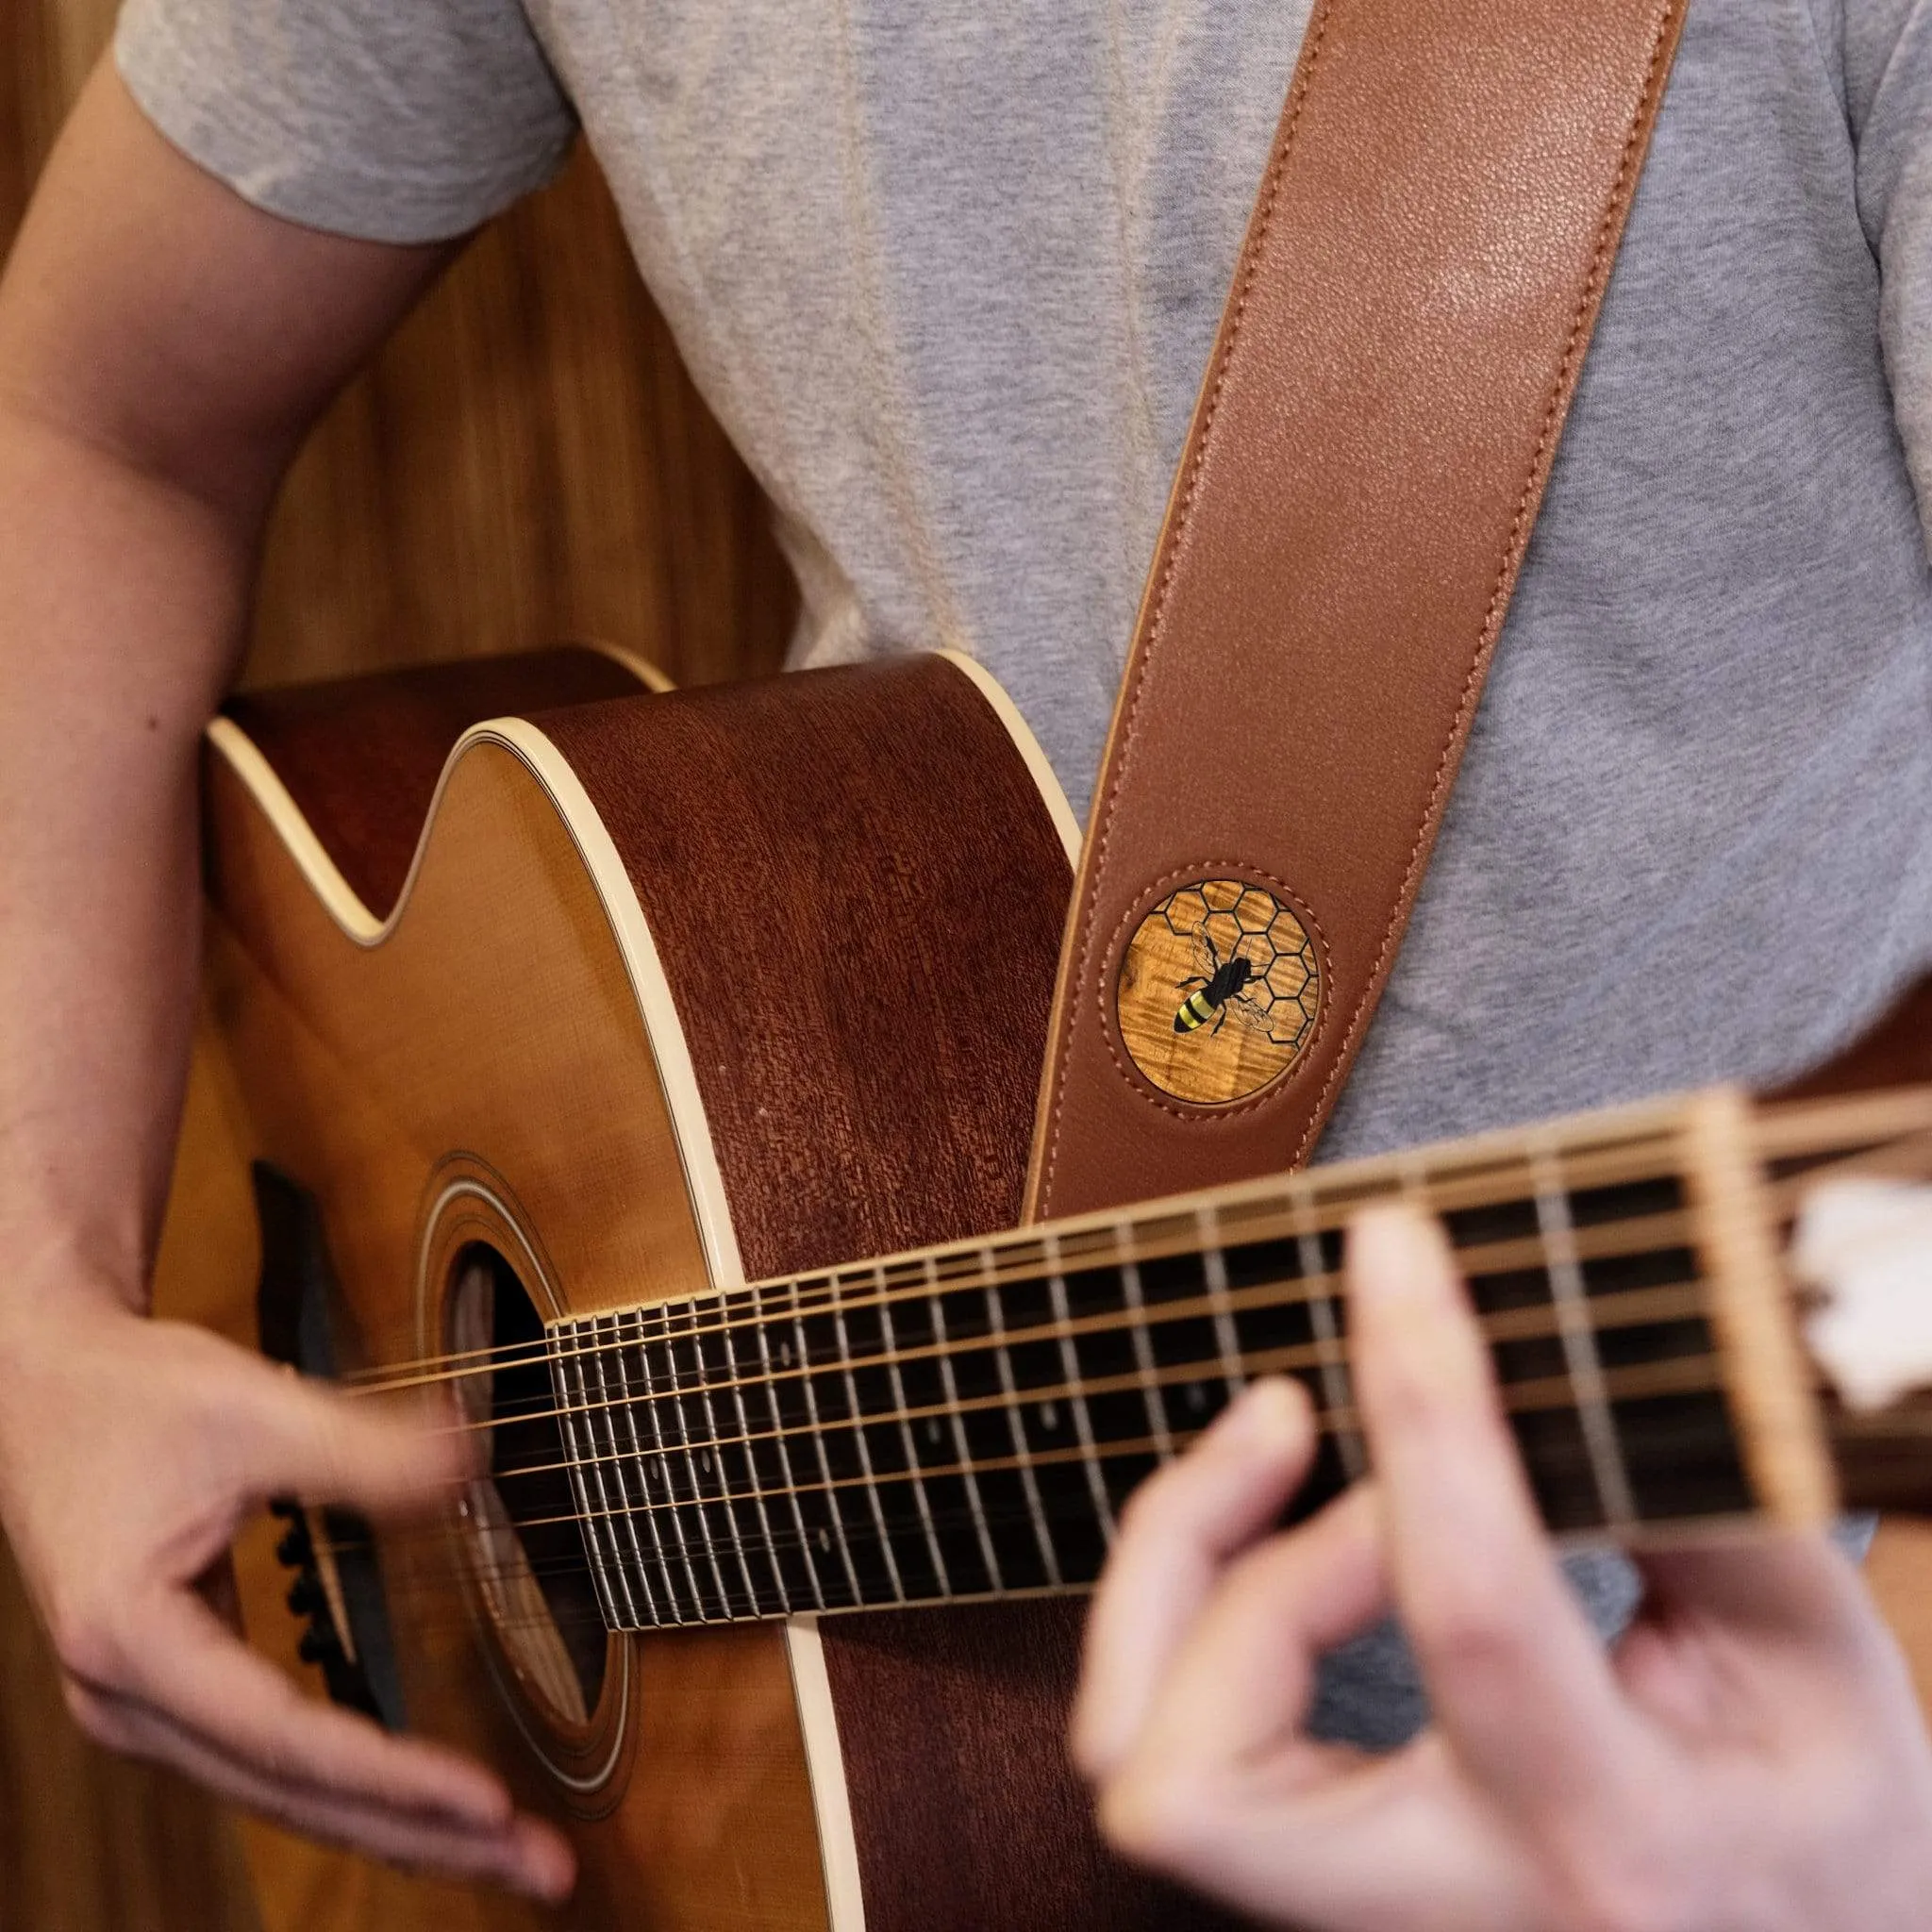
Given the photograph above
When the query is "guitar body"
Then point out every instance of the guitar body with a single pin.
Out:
(680, 990)
(673, 993)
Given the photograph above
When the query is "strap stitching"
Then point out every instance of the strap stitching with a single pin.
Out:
(1233, 868)
(1183, 513)
(1513, 548)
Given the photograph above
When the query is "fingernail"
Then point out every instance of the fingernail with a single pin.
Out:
(548, 1868)
(1269, 1414)
(1394, 1253)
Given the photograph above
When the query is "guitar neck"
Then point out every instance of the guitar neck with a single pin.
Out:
(966, 1422)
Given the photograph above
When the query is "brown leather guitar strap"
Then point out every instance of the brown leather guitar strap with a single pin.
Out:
(1409, 314)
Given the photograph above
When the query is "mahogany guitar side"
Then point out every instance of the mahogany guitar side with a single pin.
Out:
(681, 990)
(675, 992)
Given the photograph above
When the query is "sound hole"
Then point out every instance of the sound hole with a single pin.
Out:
(526, 1551)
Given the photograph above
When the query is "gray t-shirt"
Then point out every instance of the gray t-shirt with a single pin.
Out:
(948, 274)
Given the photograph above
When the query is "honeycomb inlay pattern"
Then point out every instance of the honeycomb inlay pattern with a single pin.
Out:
(1218, 991)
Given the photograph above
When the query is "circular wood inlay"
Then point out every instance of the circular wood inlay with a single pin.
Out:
(1218, 991)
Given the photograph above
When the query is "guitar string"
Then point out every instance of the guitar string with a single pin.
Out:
(1652, 1234)
(1144, 1448)
(740, 1547)
(1636, 1310)
(697, 1500)
(766, 1544)
(1680, 1375)
(964, 1264)
(739, 1551)
(1652, 1304)
(758, 1550)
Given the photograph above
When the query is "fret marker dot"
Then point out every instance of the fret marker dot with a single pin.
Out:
(785, 1353)
(1197, 1397)
(705, 1461)
(932, 1429)
(1049, 1416)
(825, 1539)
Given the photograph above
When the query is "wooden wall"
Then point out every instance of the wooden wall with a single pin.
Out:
(527, 461)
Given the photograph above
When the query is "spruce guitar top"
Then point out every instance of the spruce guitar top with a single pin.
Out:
(668, 1100)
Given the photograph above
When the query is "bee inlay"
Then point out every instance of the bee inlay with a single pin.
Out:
(1218, 991)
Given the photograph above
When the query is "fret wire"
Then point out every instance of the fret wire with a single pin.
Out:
(751, 1469)
(911, 1448)
(715, 1449)
(1570, 1297)
(981, 1528)
(1214, 1269)
(626, 1414)
(606, 1362)
(1603, 1158)
(790, 1488)
(818, 1440)
(1631, 1308)
(688, 1448)
(879, 1513)
(1338, 1386)
(655, 1415)
(1017, 1428)
(582, 1480)
(1152, 1399)
(1698, 1374)
(1070, 1368)
(1645, 1233)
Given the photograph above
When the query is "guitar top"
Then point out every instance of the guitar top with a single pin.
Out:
(668, 1104)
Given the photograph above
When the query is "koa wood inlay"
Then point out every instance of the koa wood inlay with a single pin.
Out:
(1219, 991)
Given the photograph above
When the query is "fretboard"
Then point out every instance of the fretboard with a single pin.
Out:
(968, 1421)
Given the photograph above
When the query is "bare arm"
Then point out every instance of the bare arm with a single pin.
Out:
(163, 348)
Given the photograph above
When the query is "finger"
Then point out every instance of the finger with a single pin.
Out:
(521, 1852)
(1519, 1682)
(1222, 1789)
(190, 1667)
(1238, 1685)
(324, 1447)
(1176, 1534)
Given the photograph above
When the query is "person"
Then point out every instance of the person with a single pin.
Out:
(948, 276)
(1749, 1756)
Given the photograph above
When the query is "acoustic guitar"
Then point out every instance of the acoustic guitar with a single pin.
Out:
(655, 1073)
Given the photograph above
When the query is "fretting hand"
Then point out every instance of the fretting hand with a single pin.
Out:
(1749, 1759)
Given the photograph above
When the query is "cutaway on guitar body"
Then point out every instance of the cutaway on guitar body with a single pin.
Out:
(654, 993)
(662, 1094)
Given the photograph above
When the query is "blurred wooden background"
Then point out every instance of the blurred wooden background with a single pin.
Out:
(527, 461)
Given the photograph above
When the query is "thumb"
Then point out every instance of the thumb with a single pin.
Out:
(375, 1456)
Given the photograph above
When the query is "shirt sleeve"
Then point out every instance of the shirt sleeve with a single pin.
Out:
(394, 120)
(1889, 91)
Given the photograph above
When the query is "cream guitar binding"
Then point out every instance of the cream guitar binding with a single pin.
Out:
(673, 1113)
